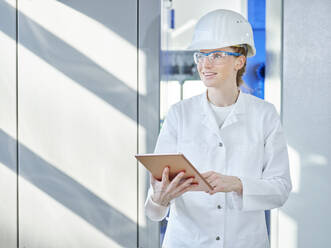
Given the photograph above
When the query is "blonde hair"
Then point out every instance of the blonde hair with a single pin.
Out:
(242, 50)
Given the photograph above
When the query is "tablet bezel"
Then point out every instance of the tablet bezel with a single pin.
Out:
(156, 163)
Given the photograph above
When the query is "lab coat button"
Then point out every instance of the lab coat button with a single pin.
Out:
(219, 206)
(220, 144)
(218, 238)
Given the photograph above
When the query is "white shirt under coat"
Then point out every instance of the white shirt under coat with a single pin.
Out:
(221, 113)
(250, 145)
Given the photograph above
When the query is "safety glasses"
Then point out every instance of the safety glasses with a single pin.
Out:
(214, 57)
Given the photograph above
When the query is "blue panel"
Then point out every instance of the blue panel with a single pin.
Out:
(256, 13)
(172, 18)
(254, 76)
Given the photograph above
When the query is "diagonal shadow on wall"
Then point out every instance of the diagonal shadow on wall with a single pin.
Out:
(69, 193)
(75, 65)
(109, 17)
(104, 85)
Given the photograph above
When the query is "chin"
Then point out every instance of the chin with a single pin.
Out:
(210, 83)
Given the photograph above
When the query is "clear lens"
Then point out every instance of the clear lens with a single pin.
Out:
(214, 58)
(197, 57)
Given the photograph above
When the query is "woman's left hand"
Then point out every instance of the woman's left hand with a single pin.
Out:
(222, 183)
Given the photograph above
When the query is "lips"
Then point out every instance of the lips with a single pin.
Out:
(209, 74)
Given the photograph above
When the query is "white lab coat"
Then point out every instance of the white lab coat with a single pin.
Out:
(253, 148)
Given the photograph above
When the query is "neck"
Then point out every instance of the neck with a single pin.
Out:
(222, 97)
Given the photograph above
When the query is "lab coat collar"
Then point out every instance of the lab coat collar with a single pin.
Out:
(208, 117)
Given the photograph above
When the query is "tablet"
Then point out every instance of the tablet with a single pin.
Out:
(177, 162)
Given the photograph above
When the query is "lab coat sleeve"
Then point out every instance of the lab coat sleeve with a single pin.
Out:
(167, 140)
(273, 188)
(166, 143)
(153, 210)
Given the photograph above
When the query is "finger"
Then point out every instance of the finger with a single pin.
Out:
(182, 180)
(210, 181)
(165, 174)
(185, 188)
(207, 174)
(175, 182)
(213, 177)
(195, 187)
(151, 178)
(209, 190)
(182, 186)
(212, 192)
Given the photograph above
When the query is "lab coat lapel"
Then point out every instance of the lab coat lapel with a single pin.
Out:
(208, 118)
(237, 113)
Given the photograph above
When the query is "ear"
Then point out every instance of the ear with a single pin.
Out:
(240, 62)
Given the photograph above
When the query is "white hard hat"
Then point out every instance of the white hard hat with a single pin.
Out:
(222, 28)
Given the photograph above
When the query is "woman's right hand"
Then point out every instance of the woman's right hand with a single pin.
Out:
(166, 190)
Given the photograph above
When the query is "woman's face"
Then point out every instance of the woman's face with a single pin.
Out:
(215, 74)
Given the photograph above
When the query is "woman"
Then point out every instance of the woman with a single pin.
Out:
(234, 138)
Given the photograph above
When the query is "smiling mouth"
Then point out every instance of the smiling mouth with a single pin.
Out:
(209, 74)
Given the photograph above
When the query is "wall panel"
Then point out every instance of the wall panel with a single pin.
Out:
(78, 123)
(8, 144)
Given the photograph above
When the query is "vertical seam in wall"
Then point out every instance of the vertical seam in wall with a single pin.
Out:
(160, 58)
(17, 141)
(137, 122)
(281, 92)
(282, 63)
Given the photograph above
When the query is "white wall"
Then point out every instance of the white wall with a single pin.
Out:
(72, 77)
(83, 75)
(307, 116)
(302, 83)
